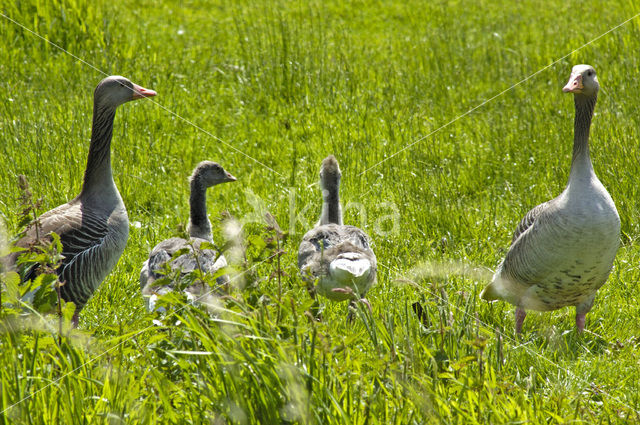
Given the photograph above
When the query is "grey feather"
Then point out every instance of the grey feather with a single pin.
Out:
(326, 243)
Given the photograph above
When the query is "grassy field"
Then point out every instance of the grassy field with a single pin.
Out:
(268, 89)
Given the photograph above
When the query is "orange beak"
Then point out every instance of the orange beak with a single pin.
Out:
(140, 92)
(574, 85)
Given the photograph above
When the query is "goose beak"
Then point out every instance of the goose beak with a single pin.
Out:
(139, 92)
(574, 85)
(230, 178)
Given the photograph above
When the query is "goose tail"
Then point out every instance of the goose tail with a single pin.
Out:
(489, 293)
(349, 270)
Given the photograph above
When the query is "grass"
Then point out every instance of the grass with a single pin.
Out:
(287, 83)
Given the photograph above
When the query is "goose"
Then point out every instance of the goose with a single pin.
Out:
(563, 250)
(205, 175)
(94, 226)
(336, 260)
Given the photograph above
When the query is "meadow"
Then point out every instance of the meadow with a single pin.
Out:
(268, 89)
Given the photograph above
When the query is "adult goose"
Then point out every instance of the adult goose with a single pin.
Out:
(93, 227)
(563, 250)
(205, 175)
(336, 259)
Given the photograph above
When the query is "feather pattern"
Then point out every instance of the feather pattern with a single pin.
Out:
(209, 261)
(324, 256)
(528, 221)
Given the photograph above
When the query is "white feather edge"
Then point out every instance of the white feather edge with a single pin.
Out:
(344, 269)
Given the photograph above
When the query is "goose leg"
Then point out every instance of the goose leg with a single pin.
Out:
(520, 315)
(581, 312)
(580, 319)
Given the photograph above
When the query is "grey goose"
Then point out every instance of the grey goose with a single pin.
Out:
(205, 175)
(563, 250)
(94, 226)
(336, 260)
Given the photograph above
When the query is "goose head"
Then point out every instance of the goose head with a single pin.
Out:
(115, 90)
(583, 80)
(330, 174)
(210, 173)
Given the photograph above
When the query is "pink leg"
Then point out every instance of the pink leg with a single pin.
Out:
(520, 315)
(580, 319)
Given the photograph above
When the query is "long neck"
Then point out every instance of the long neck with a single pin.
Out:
(98, 176)
(581, 161)
(199, 224)
(331, 210)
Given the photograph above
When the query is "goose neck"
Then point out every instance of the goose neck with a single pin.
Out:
(581, 160)
(199, 224)
(98, 177)
(331, 209)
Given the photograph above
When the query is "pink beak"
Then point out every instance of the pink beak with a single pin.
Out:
(574, 85)
(230, 178)
(140, 92)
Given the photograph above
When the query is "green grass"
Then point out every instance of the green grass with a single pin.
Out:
(287, 83)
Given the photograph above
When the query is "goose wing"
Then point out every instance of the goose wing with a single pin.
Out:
(528, 259)
(537, 246)
(327, 236)
(161, 254)
(209, 260)
(528, 220)
(80, 231)
(90, 247)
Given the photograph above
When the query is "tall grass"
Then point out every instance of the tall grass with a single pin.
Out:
(287, 83)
